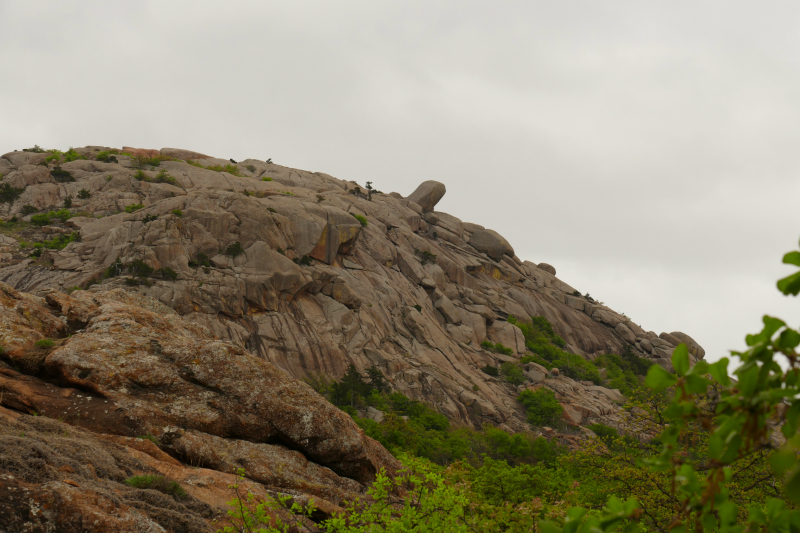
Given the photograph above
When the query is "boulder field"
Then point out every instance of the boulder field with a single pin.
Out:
(210, 289)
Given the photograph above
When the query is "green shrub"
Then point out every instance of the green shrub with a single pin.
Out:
(140, 269)
(149, 437)
(251, 168)
(361, 220)
(149, 218)
(68, 202)
(272, 210)
(234, 249)
(40, 220)
(305, 260)
(166, 273)
(541, 405)
(159, 483)
(61, 176)
(164, 177)
(491, 370)
(9, 194)
(133, 207)
(177, 213)
(44, 343)
(71, 155)
(115, 269)
(141, 161)
(62, 214)
(426, 257)
(57, 243)
(140, 176)
(200, 260)
(265, 178)
(84, 194)
(497, 348)
(107, 157)
(28, 209)
(36, 149)
(229, 168)
(512, 373)
(55, 155)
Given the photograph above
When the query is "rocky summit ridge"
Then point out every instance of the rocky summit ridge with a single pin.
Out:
(211, 288)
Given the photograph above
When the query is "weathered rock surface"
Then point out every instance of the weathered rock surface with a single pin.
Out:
(414, 292)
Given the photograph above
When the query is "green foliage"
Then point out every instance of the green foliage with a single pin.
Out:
(496, 348)
(265, 178)
(426, 257)
(55, 155)
(272, 210)
(164, 177)
(305, 260)
(625, 372)
(234, 249)
(545, 345)
(40, 220)
(115, 269)
(36, 149)
(139, 175)
(541, 406)
(59, 242)
(140, 269)
(177, 212)
(491, 370)
(512, 373)
(133, 207)
(106, 156)
(68, 202)
(28, 209)
(149, 437)
(83, 194)
(44, 343)
(159, 483)
(250, 514)
(61, 176)
(149, 218)
(141, 161)
(9, 194)
(62, 214)
(361, 219)
(166, 273)
(229, 168)
(200, 260)
(71, 155)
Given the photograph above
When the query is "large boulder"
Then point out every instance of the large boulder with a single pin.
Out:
(491, 243)
(547, 268)
(693, 346)
(428, 195)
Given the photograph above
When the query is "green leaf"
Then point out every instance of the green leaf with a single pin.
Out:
(792, 420)
(720, 372)
(772, 324)
(680, 359)
(792, 258)
(789, 339)
(545, 526)
(696, 384)
(659, 379)
(790, 284)
(781, 461)
(792, 486)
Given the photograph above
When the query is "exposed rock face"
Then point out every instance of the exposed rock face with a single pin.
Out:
(413, 292)
(427, 195)
(135, 367)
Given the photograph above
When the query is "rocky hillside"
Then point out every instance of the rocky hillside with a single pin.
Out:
(307, 271)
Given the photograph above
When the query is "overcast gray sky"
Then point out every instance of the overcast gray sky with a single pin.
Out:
(648, 150)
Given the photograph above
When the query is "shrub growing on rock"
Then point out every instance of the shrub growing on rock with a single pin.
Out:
(361, 220)
(166, 273)
(40, 220)
(200, 260)
(61, 176)
(159, 483)
(28, 209)
(83, 194)
(140, 269)
(177, 212)
(541, 406)
(44, 343)
(9, 194)
(512, 373)
(133, 207)
(234, 249)
(490, 370)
